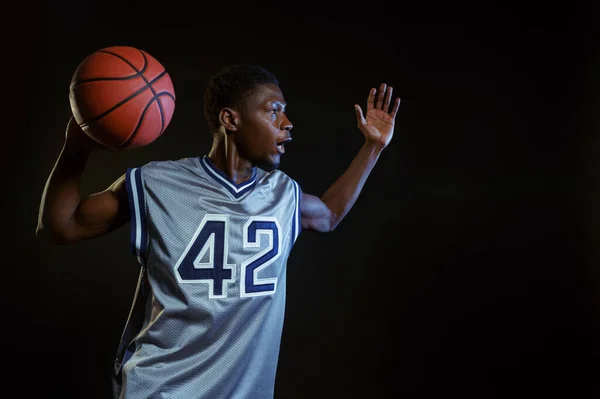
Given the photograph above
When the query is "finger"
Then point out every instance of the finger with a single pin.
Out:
(360, 119)
(396, 107)
(381, 94)
(371, 99)
(388, 97)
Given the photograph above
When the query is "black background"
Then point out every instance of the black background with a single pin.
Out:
(469, 264)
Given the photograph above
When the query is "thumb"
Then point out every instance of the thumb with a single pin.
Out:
(360, 119)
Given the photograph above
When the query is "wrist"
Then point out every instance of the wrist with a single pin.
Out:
(75, 150)
(373, 146)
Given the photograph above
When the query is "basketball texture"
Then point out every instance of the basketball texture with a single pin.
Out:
(122, 97)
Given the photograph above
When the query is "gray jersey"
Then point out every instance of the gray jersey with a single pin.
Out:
(208, 312)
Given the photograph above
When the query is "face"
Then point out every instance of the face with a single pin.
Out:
(263, 128)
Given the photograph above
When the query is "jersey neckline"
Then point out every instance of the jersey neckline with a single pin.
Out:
(237, 190)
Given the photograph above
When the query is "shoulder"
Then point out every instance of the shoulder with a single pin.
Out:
(165, 169)
(278, 181)
(276, 176)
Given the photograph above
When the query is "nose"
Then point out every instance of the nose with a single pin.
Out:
(286, 124)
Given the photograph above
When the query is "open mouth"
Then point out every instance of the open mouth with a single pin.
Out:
(280, 145)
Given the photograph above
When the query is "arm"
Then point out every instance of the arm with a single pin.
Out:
(65, 217)
(324, 214)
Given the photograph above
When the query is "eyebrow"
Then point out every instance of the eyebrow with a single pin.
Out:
(279, 104)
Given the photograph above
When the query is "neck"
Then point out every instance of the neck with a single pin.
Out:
(225, 156)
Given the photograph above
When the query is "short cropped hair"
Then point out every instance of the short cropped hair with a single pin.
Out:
(231, 87)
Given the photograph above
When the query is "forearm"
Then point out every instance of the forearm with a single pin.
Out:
(61, 195)
(342, 195)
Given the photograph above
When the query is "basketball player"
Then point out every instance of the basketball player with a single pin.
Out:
(212, 235)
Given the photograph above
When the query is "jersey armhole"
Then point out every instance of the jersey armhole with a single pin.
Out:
(138, 232)
(296, 223)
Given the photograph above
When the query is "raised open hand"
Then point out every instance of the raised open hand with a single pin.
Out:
(378, 125)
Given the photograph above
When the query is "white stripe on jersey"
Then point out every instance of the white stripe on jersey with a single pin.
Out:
(297, 225)
(137, 212)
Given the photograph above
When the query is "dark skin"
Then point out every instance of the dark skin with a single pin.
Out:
(249, 137)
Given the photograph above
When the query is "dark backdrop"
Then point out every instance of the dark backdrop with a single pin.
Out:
(468, 264)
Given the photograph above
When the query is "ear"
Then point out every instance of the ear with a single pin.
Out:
(229, 119)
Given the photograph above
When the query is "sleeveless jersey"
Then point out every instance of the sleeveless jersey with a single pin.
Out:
(207, 317)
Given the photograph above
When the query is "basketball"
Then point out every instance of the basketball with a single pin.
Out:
(122, 97)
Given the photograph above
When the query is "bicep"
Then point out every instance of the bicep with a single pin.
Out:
(102, 212)
(315, 214)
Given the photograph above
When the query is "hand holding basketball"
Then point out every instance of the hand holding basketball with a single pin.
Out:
(122, 97)
(78, 141)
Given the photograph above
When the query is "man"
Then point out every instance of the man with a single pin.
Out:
(212, 235)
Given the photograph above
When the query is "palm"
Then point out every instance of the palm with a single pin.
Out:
(378, 123)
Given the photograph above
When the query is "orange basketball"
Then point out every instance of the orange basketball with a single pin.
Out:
(122, 97)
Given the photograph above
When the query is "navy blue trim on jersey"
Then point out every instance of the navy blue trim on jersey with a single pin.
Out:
(128, 354)
(296, 224)
(138, 232)
(237, 190)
